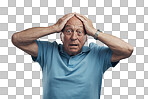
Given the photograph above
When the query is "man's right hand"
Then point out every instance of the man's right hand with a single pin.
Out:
(62, 21)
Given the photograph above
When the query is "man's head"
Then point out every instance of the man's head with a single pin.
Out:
(73, 36)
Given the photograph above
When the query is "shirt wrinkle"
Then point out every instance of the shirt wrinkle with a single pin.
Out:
(72, 77)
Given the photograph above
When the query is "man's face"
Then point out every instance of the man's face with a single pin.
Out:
(73, 36)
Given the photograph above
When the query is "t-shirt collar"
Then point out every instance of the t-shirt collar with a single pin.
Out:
(84, 49)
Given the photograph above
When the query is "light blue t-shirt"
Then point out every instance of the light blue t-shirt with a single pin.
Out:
(72, 77)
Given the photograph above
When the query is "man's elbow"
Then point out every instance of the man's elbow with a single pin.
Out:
(129, 51)
(14, 39)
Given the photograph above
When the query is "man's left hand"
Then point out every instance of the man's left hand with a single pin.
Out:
(90, 30)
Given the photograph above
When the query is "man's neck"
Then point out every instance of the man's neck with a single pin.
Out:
(71, 53)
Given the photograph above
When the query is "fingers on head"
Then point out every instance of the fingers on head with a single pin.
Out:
(81, 17)
(77, 14)
(69, 15)
(66, 17)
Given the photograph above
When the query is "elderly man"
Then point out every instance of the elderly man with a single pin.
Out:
(72, 70)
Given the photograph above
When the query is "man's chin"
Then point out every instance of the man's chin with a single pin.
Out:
(74, 51)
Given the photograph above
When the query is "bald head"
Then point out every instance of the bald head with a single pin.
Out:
(74, 22)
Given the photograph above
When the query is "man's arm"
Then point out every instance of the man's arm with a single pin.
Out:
(25, 40)
(27, 36)
(119, 48)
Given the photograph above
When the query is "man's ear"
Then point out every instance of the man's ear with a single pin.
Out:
(62, 37)
(86, 38)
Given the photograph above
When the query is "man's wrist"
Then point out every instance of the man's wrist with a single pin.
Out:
(50, 29)
(53, 28)
(93, 33)
(96, 34)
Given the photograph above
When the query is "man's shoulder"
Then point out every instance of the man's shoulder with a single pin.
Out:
(48, 45)
(94, 46)
(46, 42)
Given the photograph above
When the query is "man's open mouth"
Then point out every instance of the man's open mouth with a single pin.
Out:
(73, 44)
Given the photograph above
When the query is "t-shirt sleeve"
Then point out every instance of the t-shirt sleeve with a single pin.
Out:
(44, 47)
(105, 55)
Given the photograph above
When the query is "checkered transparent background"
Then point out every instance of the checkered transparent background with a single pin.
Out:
(21, 78)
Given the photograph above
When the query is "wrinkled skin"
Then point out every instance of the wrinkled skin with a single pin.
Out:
(73, 36)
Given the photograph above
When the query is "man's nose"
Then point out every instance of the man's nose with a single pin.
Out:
(74, 36)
